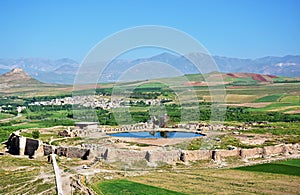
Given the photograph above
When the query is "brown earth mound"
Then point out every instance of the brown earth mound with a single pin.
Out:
(195, 83)
(256, 77)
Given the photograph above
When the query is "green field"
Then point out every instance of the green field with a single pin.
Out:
(4, 116)
(269, 98)
(125, 187)
(287, 167)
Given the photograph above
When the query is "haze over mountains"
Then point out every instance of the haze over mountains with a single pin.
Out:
(64, 70)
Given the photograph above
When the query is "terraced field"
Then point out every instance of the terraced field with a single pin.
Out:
(25, 176)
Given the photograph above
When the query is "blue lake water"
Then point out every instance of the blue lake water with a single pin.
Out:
(157, 134)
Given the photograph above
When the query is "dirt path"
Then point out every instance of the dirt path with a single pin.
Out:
(57, 176)
(52, 140)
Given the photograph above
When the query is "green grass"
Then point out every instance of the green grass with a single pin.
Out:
(276, 106)
(244, 81)
(7, 128)
(126, 187)
(292, 162)
(291, 99)
(4, 116)
(288, 167)
(67, 141)
(279, 128)
(20, 176)
(269, 98)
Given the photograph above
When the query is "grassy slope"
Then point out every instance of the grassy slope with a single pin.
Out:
(288, 167)
(130, 188)
(22, 175)
(198, 180)
(4, 116)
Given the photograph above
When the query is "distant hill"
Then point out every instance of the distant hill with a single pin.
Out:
(17, 78)
(45, 70)
(64, 70)
(18, 83)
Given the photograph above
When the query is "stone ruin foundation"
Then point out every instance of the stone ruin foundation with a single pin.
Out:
(19, 145)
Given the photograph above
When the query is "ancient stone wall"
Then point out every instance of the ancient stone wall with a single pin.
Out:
(194, 155)
(218, 155)
(173, 156)
(19, 145)
(61, 151)
(163, 156)
(48, 149)
(269, 151)
(76, 152)
(113, 155)
(289, 149)
(251, 153)
(34, 148)
(73, 152)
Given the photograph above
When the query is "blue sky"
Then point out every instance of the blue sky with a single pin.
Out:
(234, 28)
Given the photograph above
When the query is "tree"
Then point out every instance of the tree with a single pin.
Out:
(35, 134)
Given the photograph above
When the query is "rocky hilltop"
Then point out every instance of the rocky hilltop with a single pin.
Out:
(17, 77)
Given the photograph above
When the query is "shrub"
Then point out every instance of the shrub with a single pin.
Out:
(36, 134)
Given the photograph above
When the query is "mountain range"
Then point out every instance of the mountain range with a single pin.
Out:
(64, 70)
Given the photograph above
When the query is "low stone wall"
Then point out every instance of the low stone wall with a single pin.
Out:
(218, 155)
(269, 151)
(76, 152)
(163, 156)
(113, 155)
(194, 155)
(173, 156)
(70, 152)
(152, 157)
(251, 153)
(289, 149)
(48, 149)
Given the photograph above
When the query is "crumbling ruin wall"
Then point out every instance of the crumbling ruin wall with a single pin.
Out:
(173, 156)
(251, 153)
(61, 151)
(73, 152)
(96, 150)
(13, 144)
(218, 155)
(289, 149)
(76, 152)
(194, 155)
(162, 156)
(19, 145)
(33, 147)
(113, 155)
(48, 149)
(269, 151)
